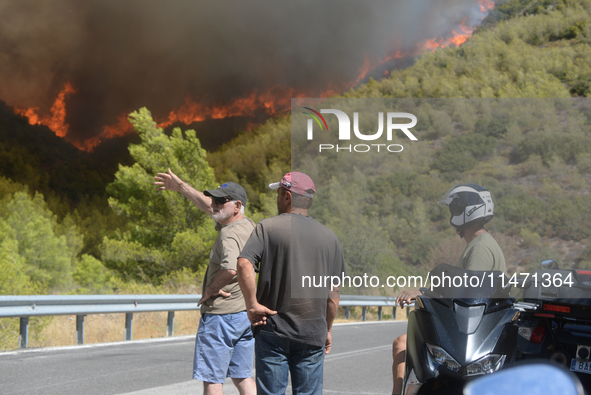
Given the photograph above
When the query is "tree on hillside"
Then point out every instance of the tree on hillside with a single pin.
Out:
(48, 249)
(166, 231)
(546, 54)
(14, 281)
(40, 253)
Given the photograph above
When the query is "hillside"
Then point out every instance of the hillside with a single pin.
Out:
(532, 153)
(535, 162)
(508, 110)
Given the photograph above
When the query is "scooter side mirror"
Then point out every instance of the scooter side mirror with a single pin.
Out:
(533, 378)
(549, 264)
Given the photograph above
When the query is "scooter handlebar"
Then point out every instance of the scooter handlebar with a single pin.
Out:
(523, 306)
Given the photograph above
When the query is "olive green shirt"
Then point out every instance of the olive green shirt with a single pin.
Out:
(224, 256)
(483, 253)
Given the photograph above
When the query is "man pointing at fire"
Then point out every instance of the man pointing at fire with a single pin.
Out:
(224, 345)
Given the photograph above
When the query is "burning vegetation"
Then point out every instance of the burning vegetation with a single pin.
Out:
(90, 120)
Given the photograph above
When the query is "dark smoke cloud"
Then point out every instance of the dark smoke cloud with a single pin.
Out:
(124, 54)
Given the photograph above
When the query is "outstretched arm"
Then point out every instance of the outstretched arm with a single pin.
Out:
(257, 313)
(170, 181)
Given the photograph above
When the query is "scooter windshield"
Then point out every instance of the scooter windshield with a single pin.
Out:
(469, 287)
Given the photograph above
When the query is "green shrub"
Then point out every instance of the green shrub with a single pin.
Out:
(461, 153)
(548, 144)
(496, 128)
(529, 238)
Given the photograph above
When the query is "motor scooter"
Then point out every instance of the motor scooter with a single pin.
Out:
(459, 330)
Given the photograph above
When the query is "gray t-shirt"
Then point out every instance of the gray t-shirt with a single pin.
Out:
(483, 253)
(283, 249)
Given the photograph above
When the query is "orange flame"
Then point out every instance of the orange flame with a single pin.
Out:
(273, 102)
(364, 69)
(486, 5)
(122, 128)
(456, 38)
(55, 121)
(466, 31)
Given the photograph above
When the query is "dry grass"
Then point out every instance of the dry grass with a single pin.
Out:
(103, 328)
(371, 315)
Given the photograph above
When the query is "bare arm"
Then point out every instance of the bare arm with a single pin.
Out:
(332, 305)
(257, 313)
(407, 297)
(220, 280)
(170, 181)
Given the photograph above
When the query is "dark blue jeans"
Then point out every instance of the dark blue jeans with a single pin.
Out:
(276, 357)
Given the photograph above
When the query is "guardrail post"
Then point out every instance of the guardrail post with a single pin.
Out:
(80, 329)
(23, 337)
(394, 312)
(170, 323)
(128, 326)
(26, 306)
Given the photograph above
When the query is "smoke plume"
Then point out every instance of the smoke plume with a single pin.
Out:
(122, 55)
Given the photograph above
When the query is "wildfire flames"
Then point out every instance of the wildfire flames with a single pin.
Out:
(273, 102)
(57, 120)
(486, 5)
(457, 38)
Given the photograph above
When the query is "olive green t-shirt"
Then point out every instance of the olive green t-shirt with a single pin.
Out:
(224, 256)
(483, 253)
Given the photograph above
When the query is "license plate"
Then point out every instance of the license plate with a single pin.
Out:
(580, 366)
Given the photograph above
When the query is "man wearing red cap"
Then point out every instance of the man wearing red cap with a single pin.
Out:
(292, 323)
(224, 345)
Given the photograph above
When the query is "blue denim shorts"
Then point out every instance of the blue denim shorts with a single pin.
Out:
(224, 348)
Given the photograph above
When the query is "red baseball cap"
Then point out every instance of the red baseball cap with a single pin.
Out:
(296, 182)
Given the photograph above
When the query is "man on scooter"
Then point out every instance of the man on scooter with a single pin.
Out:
(471, 207)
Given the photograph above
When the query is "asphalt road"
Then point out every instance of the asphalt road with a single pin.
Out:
(360, 363)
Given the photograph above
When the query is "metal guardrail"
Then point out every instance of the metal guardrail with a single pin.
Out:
(24, 307)
(366, 301)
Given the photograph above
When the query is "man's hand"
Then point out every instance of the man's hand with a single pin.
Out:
(206, 295)
(407, 296)
(328, 343)
(258, 313)
(169, 181)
